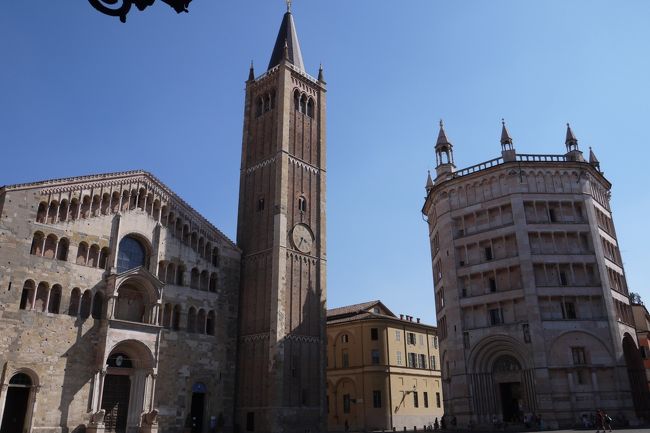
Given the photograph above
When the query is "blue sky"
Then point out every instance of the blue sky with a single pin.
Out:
(81, 93)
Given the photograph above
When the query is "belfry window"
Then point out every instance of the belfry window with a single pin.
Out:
(131, 254)
(302, 204)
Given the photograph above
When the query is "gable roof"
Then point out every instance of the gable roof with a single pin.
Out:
(350, 310)
(114, 179)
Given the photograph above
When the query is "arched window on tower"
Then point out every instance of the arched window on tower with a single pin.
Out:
(42, 291)
(50, 246)
(37, 244)
(73, 212)
(131, 254)
(54, 210)
(27, 296)
(167, 316)
(310, 107)
(62, 249)
(41, 213)
(302, 204)
(103, 257)
(191, 320)
(303, 104)
(296, 100)
(86, 300)
(215, 256)
(200, 322)
(209, 325)
(82, 253)
(176, 318)
(63, 210)
(75, 299)
(93, 256)
(170, 274)
(54, 303)
(85, 207)
(194, 279)
(180, 275)
(98, 306)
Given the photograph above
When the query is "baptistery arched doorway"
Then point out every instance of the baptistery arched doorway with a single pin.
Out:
(506, 372)
(18, 405)
(502, 380)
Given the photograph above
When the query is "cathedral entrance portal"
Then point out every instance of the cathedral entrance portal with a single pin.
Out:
(197, 408)
(116, 402)
(16, 405)
(510, 393)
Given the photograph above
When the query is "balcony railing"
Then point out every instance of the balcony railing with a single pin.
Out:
(479, 167)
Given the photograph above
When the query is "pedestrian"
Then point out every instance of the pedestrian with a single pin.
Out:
(443, 422)
(600, 421)
(495, 422)
(607, 422)
(436, 424)
(347, 426)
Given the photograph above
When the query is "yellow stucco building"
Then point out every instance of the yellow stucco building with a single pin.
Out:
(383, 371)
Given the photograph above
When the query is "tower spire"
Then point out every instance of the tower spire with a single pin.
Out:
(287, 35)
(251, 73)
(506, 140)
(571, 140)
(444, 154)
(429, 185)
(442, 136)
(593, 160)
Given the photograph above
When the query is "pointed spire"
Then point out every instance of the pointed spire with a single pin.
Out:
(442, 136)
(321, 77)
(286, 44)
(571, 140)
(444, 152)
(251, 73)
(429, 181)
(505, 135)
(593, 160)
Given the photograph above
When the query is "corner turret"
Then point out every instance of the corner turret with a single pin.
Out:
(444, 154)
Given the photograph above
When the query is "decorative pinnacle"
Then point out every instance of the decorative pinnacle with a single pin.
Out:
(289, 5)
(441, 125)
(251, 72)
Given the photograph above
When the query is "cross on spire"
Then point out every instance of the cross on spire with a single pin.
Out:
(289, 5)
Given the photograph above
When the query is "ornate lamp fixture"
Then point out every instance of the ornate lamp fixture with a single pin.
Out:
(119, 8)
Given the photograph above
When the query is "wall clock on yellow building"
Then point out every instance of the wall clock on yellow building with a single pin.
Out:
(302, 238)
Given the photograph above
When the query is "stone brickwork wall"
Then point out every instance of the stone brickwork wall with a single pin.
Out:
(64, 348)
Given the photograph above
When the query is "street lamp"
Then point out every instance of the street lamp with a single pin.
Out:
(119, 8)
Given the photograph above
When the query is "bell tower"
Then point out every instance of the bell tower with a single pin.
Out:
(281, 231)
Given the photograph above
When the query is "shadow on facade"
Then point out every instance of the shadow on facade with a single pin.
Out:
(80, 359)
(298, 376)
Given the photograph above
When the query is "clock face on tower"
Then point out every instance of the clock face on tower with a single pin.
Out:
(302, 238)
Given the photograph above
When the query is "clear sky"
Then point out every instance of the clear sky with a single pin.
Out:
(81, 93)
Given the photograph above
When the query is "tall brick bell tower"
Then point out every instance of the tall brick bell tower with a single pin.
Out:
(281, 231)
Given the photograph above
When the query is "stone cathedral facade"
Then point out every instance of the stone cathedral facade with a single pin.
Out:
(122, 309)
(531, 296)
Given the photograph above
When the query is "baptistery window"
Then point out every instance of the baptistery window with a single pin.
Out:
(130, 255)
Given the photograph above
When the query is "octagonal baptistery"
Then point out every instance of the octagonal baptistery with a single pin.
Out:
(531, 299)
(118, 308)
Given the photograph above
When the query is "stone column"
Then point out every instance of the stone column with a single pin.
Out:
(114, 242)
(3, 398)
